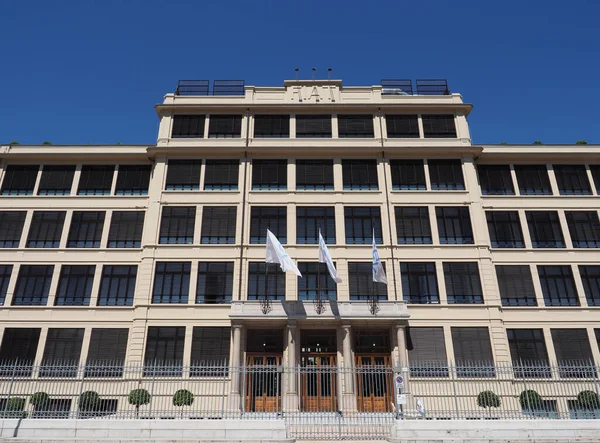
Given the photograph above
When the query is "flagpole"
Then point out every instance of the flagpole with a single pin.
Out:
(265, 305)
(373, 302)
(318, 302)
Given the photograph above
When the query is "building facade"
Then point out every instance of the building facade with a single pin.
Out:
(155, 254)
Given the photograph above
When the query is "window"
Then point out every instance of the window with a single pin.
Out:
(558, 286)
(46, 229)
(171, 282)
(361, 284)
(177, 225)
(402, 126)
(472, 352)
(11, 228)
(595, 169)
(573, 352)
(308, 222)
(215, 283)
(495, 180)
(313, 175)
(126, 229)
(75, 285)
(313, 126)
(19, 345)
(5, 273)
(505, 229)
(419, 283)
(19, 179)
(438, 126)
(86, 229)
(454, 225)
(218, 225)
(360, 222)
(315, 281)
(55, 408)
(408, 175)
(164, 351)
(528, 353)
(412, 225)
(533, 180)
(183, 175)
(516, 285)
(271, 126)
(96, 179)
(446, 175)
(273, 218)
(33, 285)
(269, 175)
(221, 175)
(225, 126)
(572, 180)
(133, 179)
(265, 279)
(427, 352)
(590, 276)
(355, 126)
(463, 285)
(360, 175)
(584, 227)
(188, 126)
(544, 229)
(106, 354)
(56, 180)
(62, 352)
(117, 287)
(210, 352)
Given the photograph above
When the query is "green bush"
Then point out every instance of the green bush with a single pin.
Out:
(89, 401)
(137, 398)
(46, 143)
(581, 142)
(40, 400)
(183, 397)
(14, 408)
(588, 400)
(15, 143)
(530, 399)
(537, 142)
(488, 399)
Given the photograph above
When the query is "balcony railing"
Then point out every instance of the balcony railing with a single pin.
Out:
(423, 87)
(202, 87)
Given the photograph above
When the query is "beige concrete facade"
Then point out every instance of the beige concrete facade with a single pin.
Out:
(297, 98)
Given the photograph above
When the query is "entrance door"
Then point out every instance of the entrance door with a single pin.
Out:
(318, 376)
(374, 380)
(263, 383)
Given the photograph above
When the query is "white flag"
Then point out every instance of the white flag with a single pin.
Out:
(378, 271)
(324, 257)
(276, 254)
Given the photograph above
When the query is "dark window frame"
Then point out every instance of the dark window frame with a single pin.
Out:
(495, 180)
(126, 229)
(545, 230)
(309, 180)
(24, 295)
(553, 276)
(5, 275)
(359, 225)
(590, 277)
(572, 180)
(419, 283)
(408, 175)
(188, 126)
(309, 219)
(211, 348)
(177, 220)
(269, 175)
(413, 226)
(533, 180)
(271, 126)
(463, 283)
(133, 180)
(75, 285)
(19, 347)
(11, 228)
(576, 342)
(86, 229)
(258, 276)
(435, 363)
(320, 128)
(439, 125)
(106, 353)
(56, 180)
(273, 218)
(171, 283)
(584, 228)
(183, 175)
(221, 175)
(529, 353)
(163, 355)
(454, 229)
(46, 229)
(446, 175)
(402, 125)
(514, 280)
(360, 282)
(315, 278)
(62, 352)
(360, 175)
(19, 179)
(215, 282)
(117, 285)
(466, 366)
(504, 228)
(225, 126)
(103, 174)
(219, 225)
(356, 126)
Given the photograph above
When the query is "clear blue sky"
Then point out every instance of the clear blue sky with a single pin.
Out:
(83, 71)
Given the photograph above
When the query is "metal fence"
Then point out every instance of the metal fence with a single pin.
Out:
(316, 401)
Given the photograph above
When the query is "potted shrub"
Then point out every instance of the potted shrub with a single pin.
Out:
(182, 398)
(137, 398)
(40, 401)
(14, 407)
(89, 401)
(588, 400)
(489, 400)
(530, 400)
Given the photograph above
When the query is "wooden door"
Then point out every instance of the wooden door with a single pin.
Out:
(374, 381)
(318, 382)
(263, 383)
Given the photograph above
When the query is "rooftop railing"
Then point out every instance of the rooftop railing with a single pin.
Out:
(423, 87)
(202, 87)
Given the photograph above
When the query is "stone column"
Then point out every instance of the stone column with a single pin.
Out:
(291, 400)
(236, 370)
(348, 395)
(402, 352)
